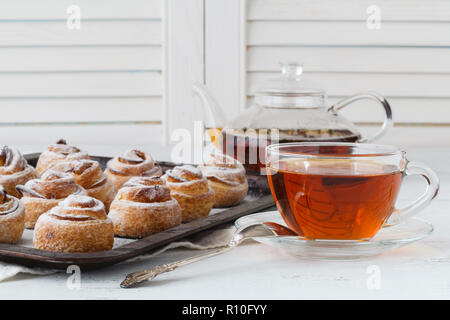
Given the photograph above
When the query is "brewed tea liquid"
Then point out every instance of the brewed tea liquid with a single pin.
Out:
(334, 199)
(250, 148)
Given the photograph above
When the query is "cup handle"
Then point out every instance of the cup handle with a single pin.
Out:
(416, 168)
(387, 123)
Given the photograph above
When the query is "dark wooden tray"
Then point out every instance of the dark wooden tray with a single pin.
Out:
(261, 199)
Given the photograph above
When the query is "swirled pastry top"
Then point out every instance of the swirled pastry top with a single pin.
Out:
(133, 163)
(187, 179)
(79, 208)
(52, 185)
(61, 150)
(11, 161)
(87, 173)
(7, 204)
(224, 169)
(145, 190)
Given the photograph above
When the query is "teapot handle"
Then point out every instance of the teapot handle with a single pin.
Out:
(388, 122)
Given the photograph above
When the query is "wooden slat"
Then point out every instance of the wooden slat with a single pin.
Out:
(80, 110)
(121, 136)
(90, 9)
(56, 33)
(50, 74)
(405, 110)
(108, 84)
(222, 43)
(389, 84)
(407, 59)
(40, 59)
(354, 59)
(414, 136)
(184, 62)
(398, 10)
(347, 33)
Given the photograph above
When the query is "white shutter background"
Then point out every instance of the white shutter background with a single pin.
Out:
(407, 59)
(100, 84)
(104, 83)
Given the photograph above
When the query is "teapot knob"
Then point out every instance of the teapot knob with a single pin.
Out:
(291, 69)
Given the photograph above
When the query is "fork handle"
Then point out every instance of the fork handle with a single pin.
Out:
(137, 277)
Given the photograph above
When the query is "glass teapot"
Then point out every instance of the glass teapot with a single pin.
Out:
(285, 109)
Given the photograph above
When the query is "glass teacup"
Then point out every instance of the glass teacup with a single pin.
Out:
(344, 191)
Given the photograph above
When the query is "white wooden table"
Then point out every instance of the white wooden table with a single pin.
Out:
(254, 271)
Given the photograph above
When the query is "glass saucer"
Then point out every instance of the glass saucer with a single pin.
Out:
(386, 239)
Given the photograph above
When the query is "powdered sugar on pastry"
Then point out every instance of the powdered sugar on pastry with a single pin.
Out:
(59, 151)
(79, 205)
(190, 188)
(228, 179)
(40, 195)
(77, 224)
(12, 218)
(224, 168)
(143, 207)
(51, 185)
(132, 163)
(88, 174)
(11, 161)
(14, 170)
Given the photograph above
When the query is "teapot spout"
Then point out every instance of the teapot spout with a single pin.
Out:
(212, 113)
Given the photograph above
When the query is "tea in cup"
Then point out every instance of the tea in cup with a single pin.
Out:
(342, 191)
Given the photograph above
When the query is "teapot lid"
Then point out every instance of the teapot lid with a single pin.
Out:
(290, 90)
